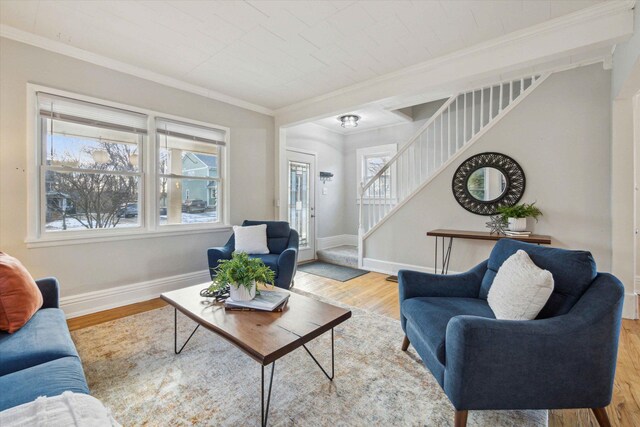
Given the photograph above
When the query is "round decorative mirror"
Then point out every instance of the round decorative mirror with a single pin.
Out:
(486, 181)
(486, 184)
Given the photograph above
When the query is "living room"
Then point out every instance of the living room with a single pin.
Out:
(201, 115)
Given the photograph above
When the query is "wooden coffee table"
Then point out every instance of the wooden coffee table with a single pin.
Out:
(265, 336)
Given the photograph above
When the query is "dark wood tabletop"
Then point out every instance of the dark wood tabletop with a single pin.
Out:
(485, 235)
(265, 336)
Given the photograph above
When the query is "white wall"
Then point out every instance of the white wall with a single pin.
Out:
(98, 266)
(625, 85)
(560, 135)
(328, 148)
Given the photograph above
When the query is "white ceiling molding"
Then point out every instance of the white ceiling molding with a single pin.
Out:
(83, 55)
(573, 35)
(562, 63)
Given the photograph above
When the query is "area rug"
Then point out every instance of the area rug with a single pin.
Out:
(331, 271)
(131, 367)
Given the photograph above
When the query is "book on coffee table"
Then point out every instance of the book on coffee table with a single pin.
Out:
(265, 301)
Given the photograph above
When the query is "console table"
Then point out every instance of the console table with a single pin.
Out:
(475, 235)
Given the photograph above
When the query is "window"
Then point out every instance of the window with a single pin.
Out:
(371, 165)
(189, 168)
(90, 164)
(370, 162)
(98, 170)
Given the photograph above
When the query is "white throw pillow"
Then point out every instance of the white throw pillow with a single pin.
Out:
(520, 289)
(251, 239)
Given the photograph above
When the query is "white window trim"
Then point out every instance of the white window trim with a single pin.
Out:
(149, 220)
(378, 150)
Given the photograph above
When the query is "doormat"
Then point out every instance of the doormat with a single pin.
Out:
(331, 271)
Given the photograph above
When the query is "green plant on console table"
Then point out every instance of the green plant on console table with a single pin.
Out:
(241, 270)
(522, 210)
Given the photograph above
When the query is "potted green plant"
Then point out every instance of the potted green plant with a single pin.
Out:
(241, 273)
(516, 215)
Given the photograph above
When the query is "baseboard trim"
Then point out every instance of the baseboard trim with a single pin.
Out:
(392, 268)
(630, 306)
(338, 240)
(93, 302)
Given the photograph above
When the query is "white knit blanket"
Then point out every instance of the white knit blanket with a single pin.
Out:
(67, 409)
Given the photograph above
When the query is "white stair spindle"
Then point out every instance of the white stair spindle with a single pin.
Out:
(378, 216)
(464, 120)
(481, 109)
(457, 113)
(448, 132)
(441, 139)
(369, 210)
(473, 114)
(500, 104)
(490, 103)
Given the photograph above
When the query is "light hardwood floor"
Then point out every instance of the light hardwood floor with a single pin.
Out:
(372, 292)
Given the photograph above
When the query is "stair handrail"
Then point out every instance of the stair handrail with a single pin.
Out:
(406, 146)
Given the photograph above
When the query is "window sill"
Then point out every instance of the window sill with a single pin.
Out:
(163, 231)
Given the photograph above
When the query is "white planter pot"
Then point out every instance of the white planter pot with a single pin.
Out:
(240, 293)
(517, 224)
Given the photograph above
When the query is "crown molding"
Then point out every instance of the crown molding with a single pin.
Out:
(21, 36)
(581, 17)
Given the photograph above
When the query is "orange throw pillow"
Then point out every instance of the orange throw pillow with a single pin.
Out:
(20, 297)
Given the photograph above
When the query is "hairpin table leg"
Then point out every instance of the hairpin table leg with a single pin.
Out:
(332, 359)
(265, 412)
(175, 333)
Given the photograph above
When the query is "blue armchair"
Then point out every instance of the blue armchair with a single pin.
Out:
(282, 258)
(565, 358)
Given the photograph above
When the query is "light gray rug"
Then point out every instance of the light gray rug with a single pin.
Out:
(331, 271)
(130, 365)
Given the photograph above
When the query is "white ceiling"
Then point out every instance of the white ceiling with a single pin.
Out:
(276, 53)
(371, 117)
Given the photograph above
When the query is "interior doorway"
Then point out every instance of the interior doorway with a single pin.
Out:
(301, 200)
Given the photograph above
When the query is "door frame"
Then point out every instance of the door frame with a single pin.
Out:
(635, 101)
(313, 229)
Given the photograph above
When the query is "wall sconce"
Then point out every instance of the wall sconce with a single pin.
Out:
(325, 176)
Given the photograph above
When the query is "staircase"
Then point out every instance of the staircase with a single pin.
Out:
(460, 122)
(345, 255)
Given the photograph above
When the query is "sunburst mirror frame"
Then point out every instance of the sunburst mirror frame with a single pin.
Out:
(514, 188)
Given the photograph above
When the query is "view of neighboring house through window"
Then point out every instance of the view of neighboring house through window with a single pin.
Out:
(90, 161)
(91, 173)
(189, 166)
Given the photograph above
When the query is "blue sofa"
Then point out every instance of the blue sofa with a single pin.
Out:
(282, 258)
(565, 358)
(40, 359)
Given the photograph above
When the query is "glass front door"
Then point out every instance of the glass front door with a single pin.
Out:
(301, 201)
(299, 212)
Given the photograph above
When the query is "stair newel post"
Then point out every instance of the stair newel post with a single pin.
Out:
(360, 225)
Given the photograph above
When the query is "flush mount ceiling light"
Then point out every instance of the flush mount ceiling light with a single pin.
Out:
(349, 120)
